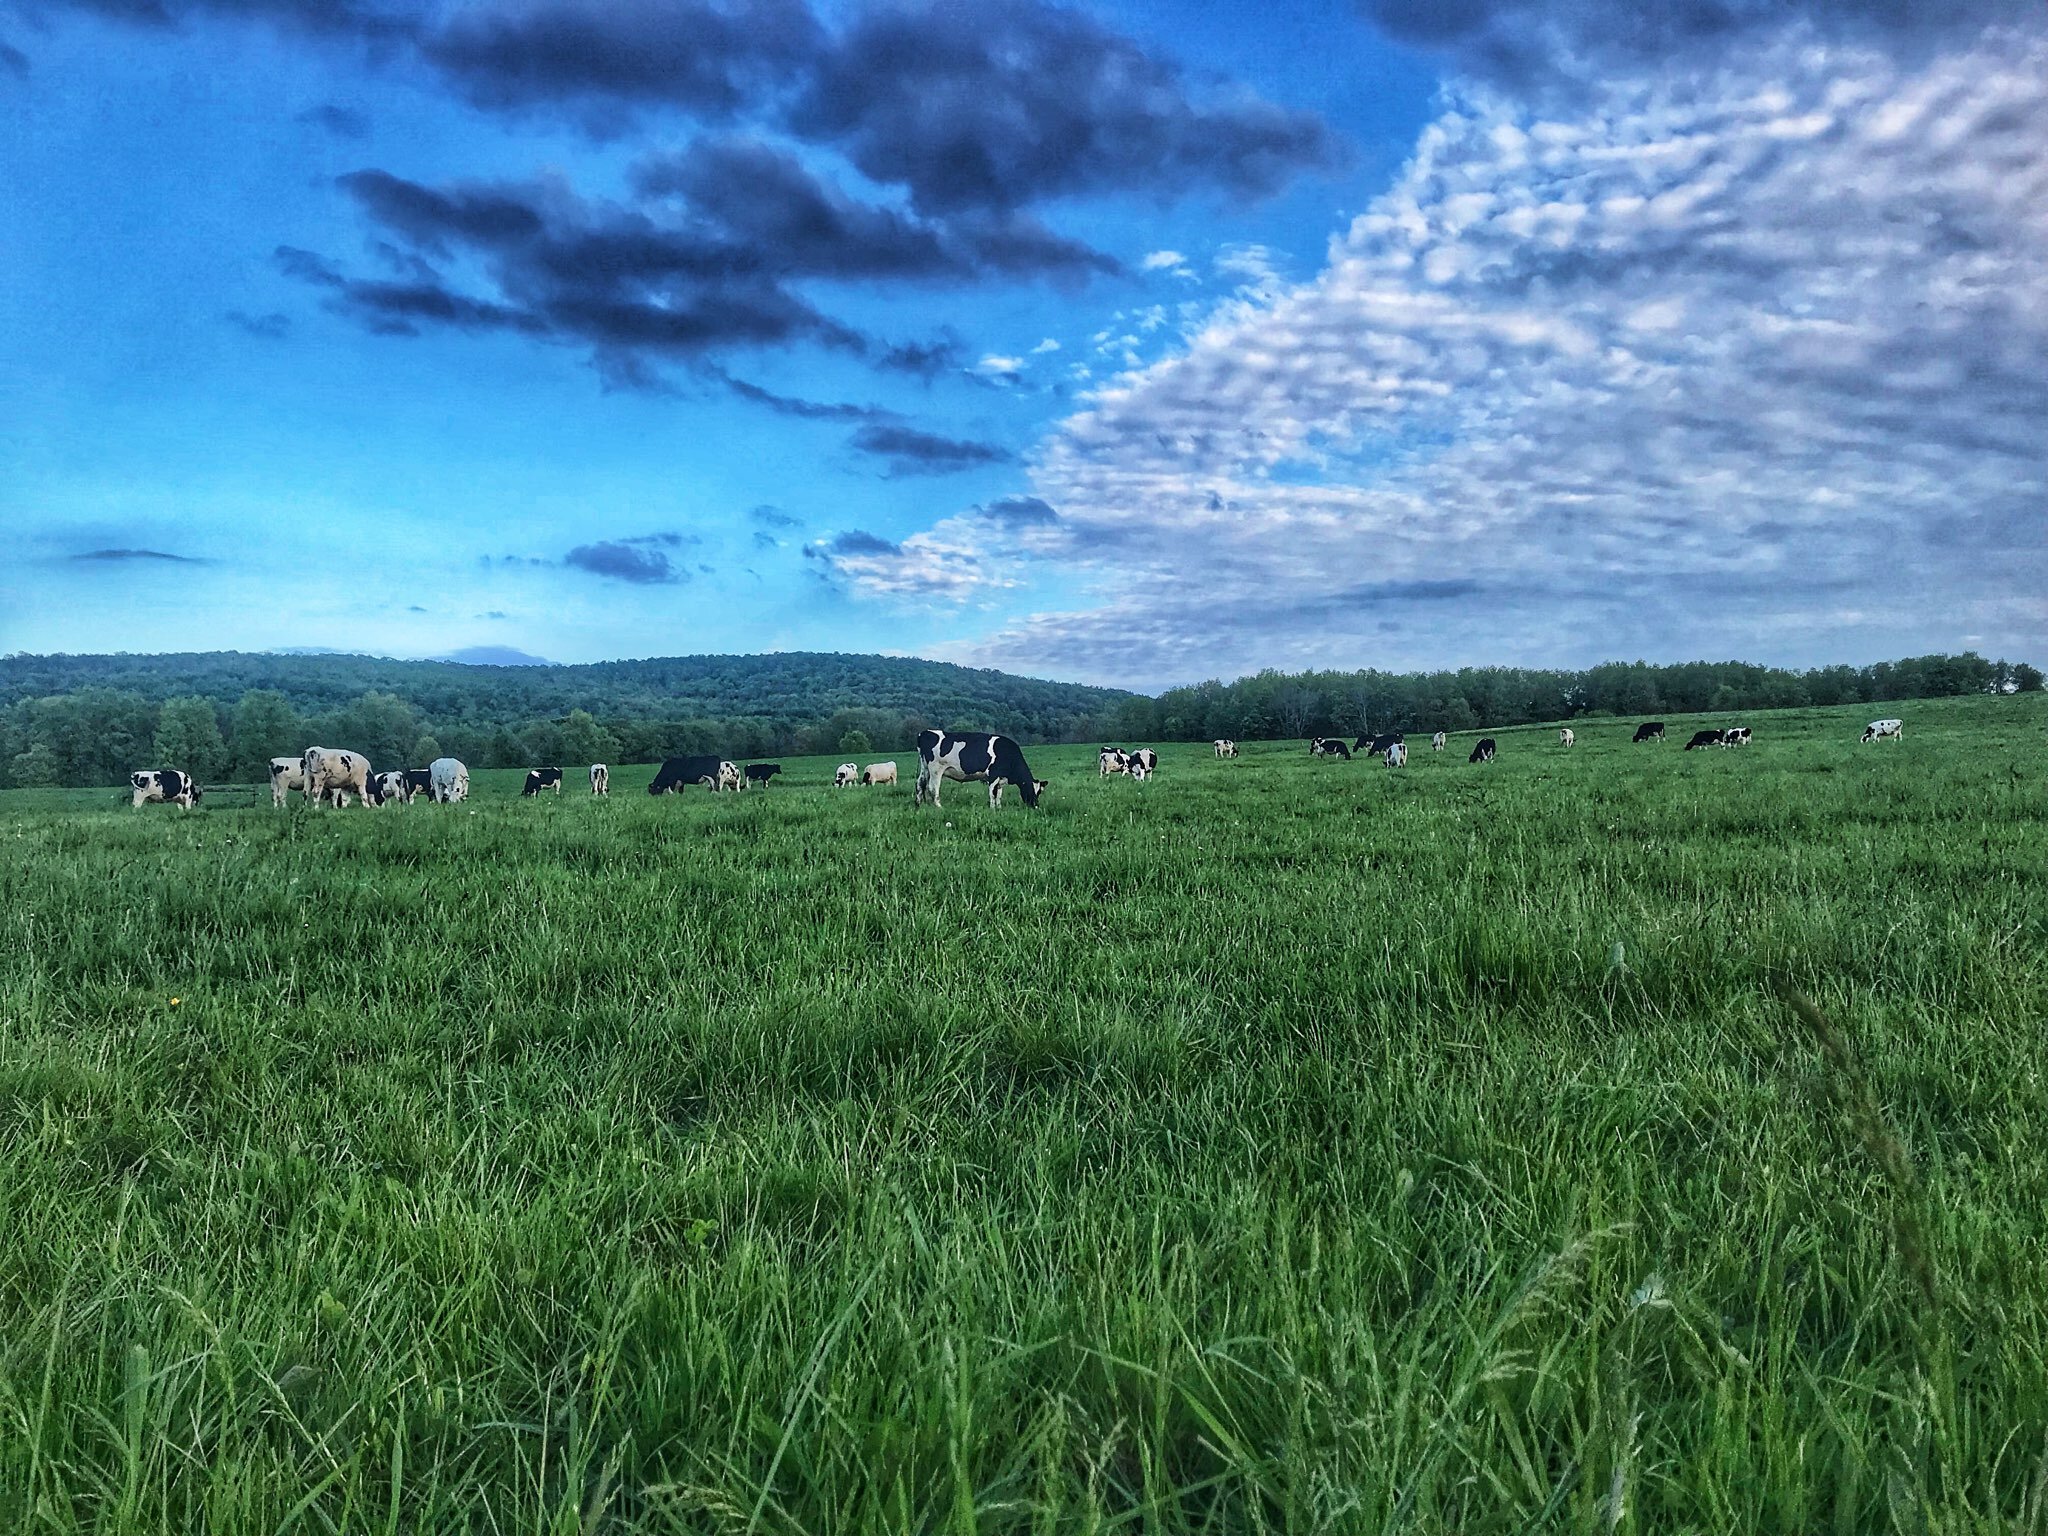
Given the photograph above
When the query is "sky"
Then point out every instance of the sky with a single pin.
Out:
(1132, 343)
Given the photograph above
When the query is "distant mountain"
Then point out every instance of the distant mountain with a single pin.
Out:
(494, 656)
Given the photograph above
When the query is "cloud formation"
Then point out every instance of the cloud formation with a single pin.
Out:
(910, 451)
(127, 556)
(637, 561)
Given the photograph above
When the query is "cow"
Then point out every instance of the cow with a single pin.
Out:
(966, 755)
(1704, 739)
(1109, 760)
(1376, 746)
(1396, 754)
(286, 775)
(1483, 753)
(679, 773)
(1650, 730)
(1141, 764)
(1735, 736)
(1565, 738)
(1225, 747)
(600, 779)
(164, 786)
(1878, 730)
(878, 773)
(761, 773)
(418, 781)
(539, 779)
(845, 775)
(333, 775)
(996, 789)
(1436, 742)
(390, 785)
(449, 779)
(1329, 747)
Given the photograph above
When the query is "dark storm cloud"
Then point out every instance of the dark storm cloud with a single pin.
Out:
(622, 560)
(924, 359)
(855, 541)
(342, 122)
(1019, 511)
(790, 405)
(914, 452)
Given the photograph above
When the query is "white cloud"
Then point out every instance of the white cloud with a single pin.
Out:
(1047, 345)
(1164, 261)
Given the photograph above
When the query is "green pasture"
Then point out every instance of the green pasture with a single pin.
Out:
(1278, 1145)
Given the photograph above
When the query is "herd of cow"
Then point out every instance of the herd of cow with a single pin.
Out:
(327, 776)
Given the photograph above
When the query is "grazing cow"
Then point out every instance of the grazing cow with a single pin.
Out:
(286, 775)
(995, 790)
(600, 779)
(966, 755)
(1141, 764)
(1109, 760)
(1650, 730)
(164, 786)
(1436, 742)
(761, 773)
(845, 775)
(1225, 747)
(390, 785)
(418, 781)
(332, 776)
(679, 773)
(1878, 730)
(1735, 736)
(1396, 754)
(449, 779)
(1483, 753)
(1376, 746)
(1565, 738)
(1704, 739)
(878, 773)
(538, 779)
(1325, 746)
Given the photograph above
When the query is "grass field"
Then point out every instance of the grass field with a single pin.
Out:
(1278, 1145)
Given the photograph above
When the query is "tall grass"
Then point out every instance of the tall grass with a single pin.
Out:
(1278, 1145)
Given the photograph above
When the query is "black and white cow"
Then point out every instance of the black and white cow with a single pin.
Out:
(1109, 760)
(286, 775)
(679, 773)
(1376, 746)
(1225, 747)
(761, 773)
(600, 779)
(418, 781)
(448, 780)
(1483, 753)
(1565, 738)
(1436, 742)
(1735, 736)
(1878, 730)
(968, 755)
(539, 779)
(1650, 730)
(995, 790)
(386, 787)
(164, 786)
(1704, 739)
(1141, 764)
(1329, 746)
(846, 775)
(333, 775)
(1396, 754)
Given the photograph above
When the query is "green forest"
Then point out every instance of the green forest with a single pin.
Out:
(89, 720)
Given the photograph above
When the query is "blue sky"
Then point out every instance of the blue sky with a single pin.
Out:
(1133, 343)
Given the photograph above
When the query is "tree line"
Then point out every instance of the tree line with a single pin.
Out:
(90, 720)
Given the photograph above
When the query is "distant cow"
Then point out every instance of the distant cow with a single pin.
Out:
(966, 755)
(333, 775)
(418, 781)
(449, 778)
(600, 779)
(1329, 746)
(1735, 736)
(878, 773)
(388, 786)
(1109, 760)
(995, 790)
(1436, 742)
(1650, 730)
(845, 774)
(539, 779)
(679, 773)
(1376, 746)
(286, 775)
(761, 773)
(1483, 753)
(1225, 747)
(1704, 739)
(1878, 730)
(164, 786)
(1142, 764)
(1565, 738)
(1397, 755)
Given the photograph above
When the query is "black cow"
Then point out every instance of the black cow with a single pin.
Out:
(761, 773)
(1650, 730)
(1483, 753)
(1376, 746)
(538, 779)
(1329, 746)
(679, 773)
(966, 755)
(419, 781)
(1705, 739)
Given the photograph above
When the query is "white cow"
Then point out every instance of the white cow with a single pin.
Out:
(286, 775)
(1225, 747)
(1877, 730)
(600, 779)
(333, 775)
(845, 775)
(878, 773)
(1397, 755)
(1436, 742)
(1565, 738)
(448, 781)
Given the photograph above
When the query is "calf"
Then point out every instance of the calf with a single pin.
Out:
(1397, 755)
(1565, 738)
(286, 775)
(845, 774)
(878, 773)
(332, 776)
(679, 773)
(1735, 736)
(1878, 730)
(1650, 730)
(538, 779)
(1143, 763)
(600, 779)
(1109, 760)
(966, 755)
(1436, 742)
(448, 778)
(1225, 747)
(761, 773)
(1483, 753)
(164, 786)
(1329, 747)
(1704, 739)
